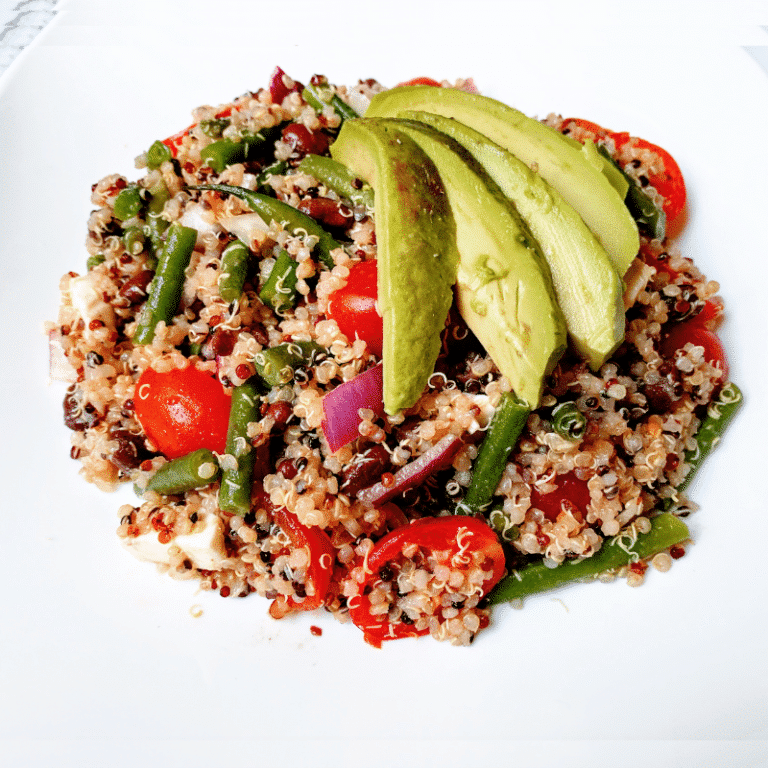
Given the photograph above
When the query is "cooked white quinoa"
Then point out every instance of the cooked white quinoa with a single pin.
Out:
(642, 410)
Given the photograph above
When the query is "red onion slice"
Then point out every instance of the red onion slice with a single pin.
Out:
(342, 405)
(438, 457)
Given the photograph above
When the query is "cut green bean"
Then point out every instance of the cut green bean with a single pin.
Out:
(214, 127)
(339, 178)
(568, 421)
(666, 531)
(506, 426)
(166, 287)
(235, 488)
(128, 202)
(279, 291)
(234, 269)
(133, 240)
(320, 95)
(195, 470)
(648, 217)
(271, 209)
(277, 365)
(219, 154)
(156, 225)
(500, 523)
(94, 261)
(720, 413)
(158, 154)
(276, 169)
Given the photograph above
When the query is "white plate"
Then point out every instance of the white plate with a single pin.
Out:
(94, 644)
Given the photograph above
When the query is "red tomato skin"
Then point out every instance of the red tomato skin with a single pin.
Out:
(588, 125)
(420, 81)
(669, 183)
(569, 489)
(182, 410)
(321, 558)
(353, 307)
(437, 534)
(697, 333)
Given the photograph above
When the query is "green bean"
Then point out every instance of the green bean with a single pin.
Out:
(215, 127)
(156, 225)
(234, 269)
(133, 240)
(505, 429)
(339, 178)
(276, 169)
(279, 291)
(293, 220)
(128, 202)
(219, 154)
(168, 283)
(276, 365)
(94, 261)
(320, 95)
(500, 523)
(235, 488)
(644, 211)
(195, 470)
(720, 413)
(158, 154)
(666, 531)
(568, 421)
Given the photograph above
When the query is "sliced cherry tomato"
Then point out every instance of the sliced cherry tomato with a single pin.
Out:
(459, 542)
(660, 265)
(570, 490)
(587, 125)
(669, 183)
(319, 571)
(694, 331)
(420, 81)
(182, 410)
(353, 307)
(711, 313)
(278, 89)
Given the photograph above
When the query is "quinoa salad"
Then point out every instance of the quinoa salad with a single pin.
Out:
(223, 353)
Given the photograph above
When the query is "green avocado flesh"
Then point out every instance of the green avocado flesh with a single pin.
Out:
(504, 287)
(588, 289)
(564, 167)
(417, 256)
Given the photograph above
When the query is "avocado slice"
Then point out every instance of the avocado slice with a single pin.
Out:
(563, 166)
(587, 287)
(417, 255)
(504, 288)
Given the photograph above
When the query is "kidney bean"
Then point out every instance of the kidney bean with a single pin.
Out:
(660, 396)
(303, 141)
(365, 471)
(327, 211)
(129, 452)
(221, 344)
(78, 416)
(135, 289)
(280, 412)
